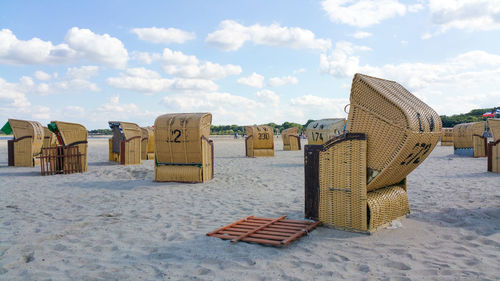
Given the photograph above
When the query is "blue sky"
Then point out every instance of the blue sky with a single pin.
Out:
(246, 62)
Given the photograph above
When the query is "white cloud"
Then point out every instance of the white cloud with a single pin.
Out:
(254, 80)
(79, 44)
(363, 13)
(148, 81)
(83, 72)
(178, 64)
(12, 96)
(97, 48)
(231, 36)
(268, 97)
(207, 70)
(315, 107)
(229, 109)
(280, 81)
(162, 35)
(457, 84)
(341, 62)
(361, 35)
(470, 15)
(415, 8)
(42, 76)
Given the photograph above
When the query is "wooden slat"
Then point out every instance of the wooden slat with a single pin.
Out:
(276, 232)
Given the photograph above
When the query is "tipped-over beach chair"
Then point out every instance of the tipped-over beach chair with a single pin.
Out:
(24, 149)
(291, 139)
(183, 149)
(259, 141)
(469, 140)
(72, 134)
(494, 146)
(125, 145)
(446, 136)
(147, 143)
(320, 131)
(357, 181)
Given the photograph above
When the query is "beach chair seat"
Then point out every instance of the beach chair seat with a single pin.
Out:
(357, 181)
(72, 134)
(259, 141)
(125, 145)
(291, 139)
(25, 148)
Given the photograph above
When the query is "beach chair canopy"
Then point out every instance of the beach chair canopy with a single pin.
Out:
(320, 131)
(178, 137)
(401, 130)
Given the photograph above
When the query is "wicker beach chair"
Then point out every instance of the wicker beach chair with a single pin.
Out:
(259, 141)
(494, 146)
(125, 145)
(320, 131)
(72, 134)
(24, 149)
(469, 140)
(185, 152)
(446, 136)
(291, 139)
(357, 181)
(147, 143)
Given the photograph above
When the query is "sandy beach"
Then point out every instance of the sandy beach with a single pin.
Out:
(115, 223)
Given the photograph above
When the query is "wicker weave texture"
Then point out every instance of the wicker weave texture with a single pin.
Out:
(259, 141)
(495, 159)
(74, 134)
(131, 134)
(183, 151)
(49, 138)
(320, 131)
(462, 134)
(479, 144)
(147, 143)
(446, 136)
(28, 141)
(290, 139)
(387, 204)
(401, 129)
(494, 125)
(342, 181)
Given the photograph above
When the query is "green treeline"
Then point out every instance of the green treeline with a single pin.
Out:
(474, 115)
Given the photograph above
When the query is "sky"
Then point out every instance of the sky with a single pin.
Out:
(246, 62)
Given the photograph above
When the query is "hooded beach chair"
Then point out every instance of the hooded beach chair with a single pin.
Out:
(259, 141)
(147, 143)
(494, 146)
(446, 136)
(183, 149)
(125, 145)
(24, 149)
(291, 139)
(69, 135)
(320, 131)
(469, 140)
(49, 138)
(357, 181)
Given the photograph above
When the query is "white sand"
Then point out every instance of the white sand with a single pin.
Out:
(115, 223)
